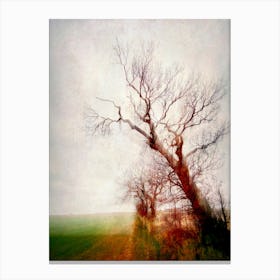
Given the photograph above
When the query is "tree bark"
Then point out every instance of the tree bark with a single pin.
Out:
(153, 210)
(199, 204)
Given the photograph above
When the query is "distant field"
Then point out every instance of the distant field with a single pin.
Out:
(91, 237)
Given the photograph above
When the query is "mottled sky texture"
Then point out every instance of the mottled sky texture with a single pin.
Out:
(86, 172)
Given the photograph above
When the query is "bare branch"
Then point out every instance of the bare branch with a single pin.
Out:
(95, 122)
(209, 139)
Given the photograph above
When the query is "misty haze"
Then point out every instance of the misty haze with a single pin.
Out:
(139, 140)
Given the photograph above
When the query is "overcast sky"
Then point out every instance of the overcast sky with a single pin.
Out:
(86, 172)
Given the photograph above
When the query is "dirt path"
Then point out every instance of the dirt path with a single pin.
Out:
(127, 253)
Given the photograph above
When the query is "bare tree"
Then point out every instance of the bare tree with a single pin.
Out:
(175, 115)
(150, 186)
(222, 207)
(145, 196)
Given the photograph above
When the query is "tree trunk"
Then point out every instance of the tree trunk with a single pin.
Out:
(153, 210)
(199, 204)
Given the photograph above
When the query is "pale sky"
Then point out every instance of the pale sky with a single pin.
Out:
(86, 172)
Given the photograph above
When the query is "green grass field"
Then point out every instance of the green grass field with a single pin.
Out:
(91, 237)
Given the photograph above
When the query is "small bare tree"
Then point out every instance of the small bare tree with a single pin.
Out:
(177, 116)
(222, 210)
(150, 186)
